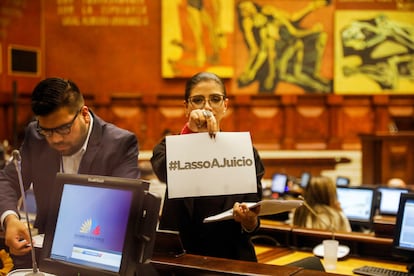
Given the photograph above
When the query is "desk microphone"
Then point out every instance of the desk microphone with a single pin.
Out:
(34, 271)
(343, 250)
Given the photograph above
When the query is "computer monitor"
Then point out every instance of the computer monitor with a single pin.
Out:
(358, 204)
(279, 183)
(389, 200)
(342, 181)
(99, 225)
(403, 242)
(305, 179)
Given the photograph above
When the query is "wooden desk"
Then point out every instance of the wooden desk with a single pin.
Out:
(361, 244)
(272, 260)
(344, 266)
(200, 265)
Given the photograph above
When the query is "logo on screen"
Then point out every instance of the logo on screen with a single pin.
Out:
(89, 227)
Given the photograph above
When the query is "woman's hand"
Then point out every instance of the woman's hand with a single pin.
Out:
(246, 216)
(203, 120)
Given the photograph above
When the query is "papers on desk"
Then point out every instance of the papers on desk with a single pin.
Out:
(38, 240)
(267, 207)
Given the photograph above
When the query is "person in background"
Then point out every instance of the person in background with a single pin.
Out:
(205, 102)
(66, 136)
(396, 183)
(323, 210)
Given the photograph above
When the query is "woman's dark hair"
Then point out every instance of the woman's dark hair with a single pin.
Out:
(202, 76)
(53, 93)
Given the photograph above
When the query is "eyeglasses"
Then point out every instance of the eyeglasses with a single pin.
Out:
(214, 100)
(62, 130)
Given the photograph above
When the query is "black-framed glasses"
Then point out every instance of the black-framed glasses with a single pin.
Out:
(199, 101)
(61, 130)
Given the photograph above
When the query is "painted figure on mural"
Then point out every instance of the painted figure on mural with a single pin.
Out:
(280, 49)
(384, 47)
(386, 72)
(195, 36)
(197, 17)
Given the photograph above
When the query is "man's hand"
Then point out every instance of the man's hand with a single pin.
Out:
(17, 236)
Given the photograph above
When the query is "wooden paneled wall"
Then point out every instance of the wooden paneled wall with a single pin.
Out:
(275, 121)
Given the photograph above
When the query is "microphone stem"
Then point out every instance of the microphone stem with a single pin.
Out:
(330, 227)
(22, 192)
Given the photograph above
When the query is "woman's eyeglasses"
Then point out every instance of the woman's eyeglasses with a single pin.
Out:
(214, 100)
(62, 130)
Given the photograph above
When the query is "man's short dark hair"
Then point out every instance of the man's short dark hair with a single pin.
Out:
(52, 94)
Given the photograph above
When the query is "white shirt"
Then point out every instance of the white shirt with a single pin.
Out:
(70, 164)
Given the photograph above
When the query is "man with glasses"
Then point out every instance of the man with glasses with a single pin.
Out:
(205, 105)
(65, 137)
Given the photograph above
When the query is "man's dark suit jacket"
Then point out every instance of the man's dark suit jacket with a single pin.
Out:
(224, 239)
(111, 151)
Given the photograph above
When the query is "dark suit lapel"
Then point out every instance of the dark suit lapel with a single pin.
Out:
(93, 146)
(52, 161)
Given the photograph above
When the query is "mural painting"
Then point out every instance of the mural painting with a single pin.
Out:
(375, 52)
(287, 46)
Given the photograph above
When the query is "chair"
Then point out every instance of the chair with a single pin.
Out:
(264, 240)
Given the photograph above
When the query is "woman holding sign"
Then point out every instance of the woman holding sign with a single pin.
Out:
(205, 104)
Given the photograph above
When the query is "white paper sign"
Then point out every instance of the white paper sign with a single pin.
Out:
(198, 165)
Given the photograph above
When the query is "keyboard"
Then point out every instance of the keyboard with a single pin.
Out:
(378, 271)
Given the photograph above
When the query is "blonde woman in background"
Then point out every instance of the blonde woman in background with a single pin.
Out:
(326, 213)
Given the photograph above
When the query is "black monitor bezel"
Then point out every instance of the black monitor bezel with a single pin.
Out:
(359, 222)
(129, 259)
(397, 250)
(382, 212)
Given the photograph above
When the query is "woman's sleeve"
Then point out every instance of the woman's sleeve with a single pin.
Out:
(260, 170)
(159, 161)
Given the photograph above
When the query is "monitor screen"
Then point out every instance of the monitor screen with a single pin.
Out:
(403, 243)
(279, 183)
(342, 181)
(389, 200)
(94, 225)
(305, 179)
(358, 204)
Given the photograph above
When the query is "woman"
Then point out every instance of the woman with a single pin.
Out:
(323, 210)
(205, 103)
